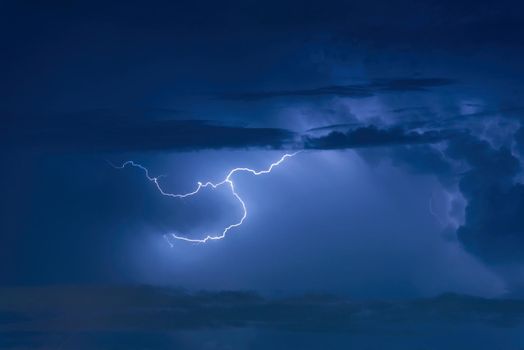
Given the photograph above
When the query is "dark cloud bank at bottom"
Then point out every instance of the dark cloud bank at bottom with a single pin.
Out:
(104, 308)
(145, 317)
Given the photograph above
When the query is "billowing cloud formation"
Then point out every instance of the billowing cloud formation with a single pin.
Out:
(494, 228)
(488, 180)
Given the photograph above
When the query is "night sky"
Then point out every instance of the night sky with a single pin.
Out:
(399, 224)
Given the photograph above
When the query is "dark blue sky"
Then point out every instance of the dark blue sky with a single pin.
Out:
(410, 183)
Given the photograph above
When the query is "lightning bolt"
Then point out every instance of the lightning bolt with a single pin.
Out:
(432, 212)
(228, 181)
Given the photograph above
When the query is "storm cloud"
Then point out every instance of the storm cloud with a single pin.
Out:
(494, 229)
(408, 190)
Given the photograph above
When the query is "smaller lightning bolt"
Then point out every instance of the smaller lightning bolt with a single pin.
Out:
(200, 185)
(432, 212)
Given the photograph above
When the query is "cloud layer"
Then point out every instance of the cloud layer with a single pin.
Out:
(92, 133)
(77, 308)
(354, 91)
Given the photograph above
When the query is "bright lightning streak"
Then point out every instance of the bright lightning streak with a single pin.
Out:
(227, 181)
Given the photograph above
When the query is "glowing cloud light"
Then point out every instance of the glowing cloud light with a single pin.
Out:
(200, 185)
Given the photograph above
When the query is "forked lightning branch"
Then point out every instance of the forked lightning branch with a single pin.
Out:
(228, 181)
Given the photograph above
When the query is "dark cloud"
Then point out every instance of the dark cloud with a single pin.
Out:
(344, 126)
(75, 308)
(114, 132)
(354, 91)
(494, 229)
(108, 133)
(486, 174)
(487, 178)
(409, 84)
(373, 136)
(423, 118)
